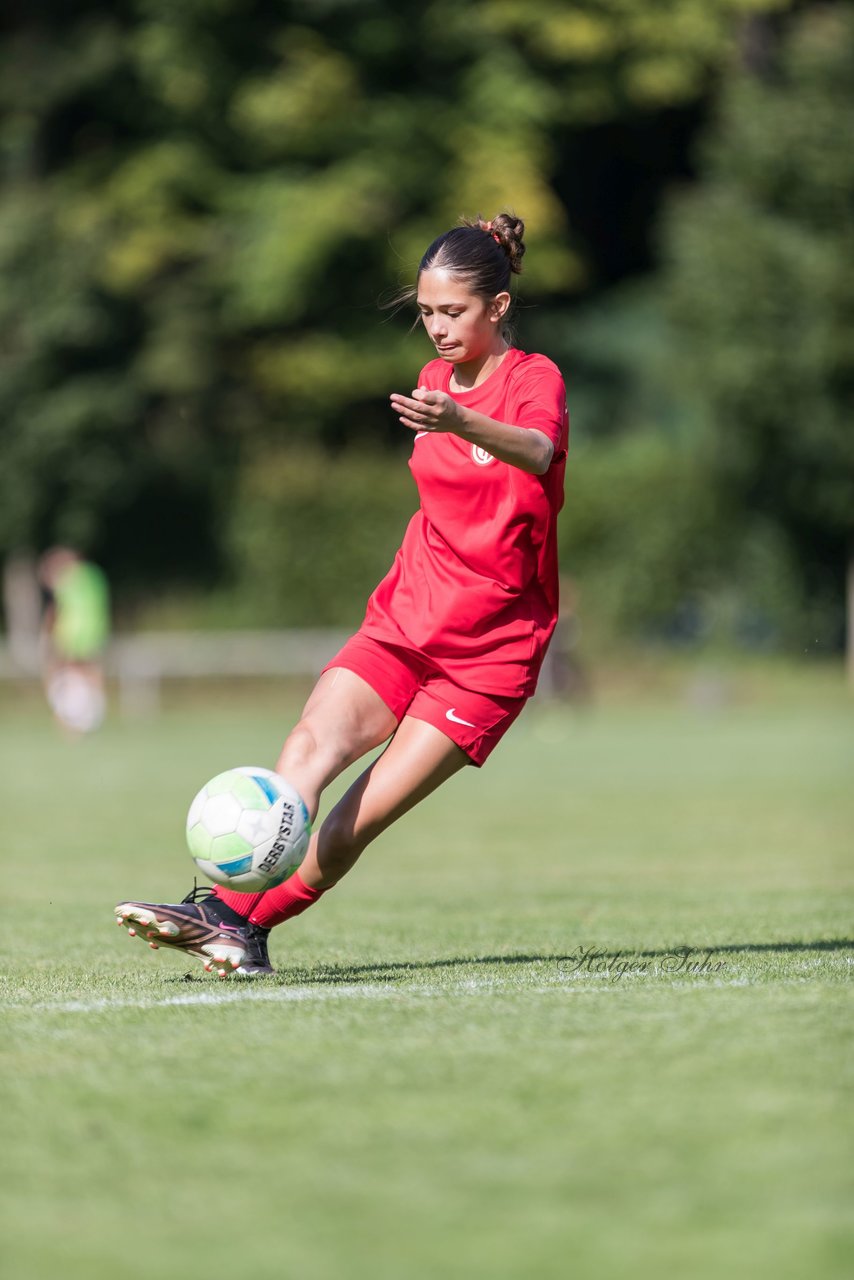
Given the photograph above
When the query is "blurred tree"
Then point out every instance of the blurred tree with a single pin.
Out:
(199, 203)
(762, 291)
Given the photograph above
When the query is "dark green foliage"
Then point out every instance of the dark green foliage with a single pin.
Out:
(200, 204)
(312, 535)
(762, 292)
(638, 512)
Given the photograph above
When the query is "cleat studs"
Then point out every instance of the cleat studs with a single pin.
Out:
(154, 946)
(132, 932)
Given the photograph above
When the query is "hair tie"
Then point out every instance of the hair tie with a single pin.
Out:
(496, 238)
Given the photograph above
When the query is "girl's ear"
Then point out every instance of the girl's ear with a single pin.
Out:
(498, 306)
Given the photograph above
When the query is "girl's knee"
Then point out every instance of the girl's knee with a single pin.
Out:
(300, 747)
(306, 764)
(308, 749)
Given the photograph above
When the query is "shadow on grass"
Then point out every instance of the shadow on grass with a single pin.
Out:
(399, 971)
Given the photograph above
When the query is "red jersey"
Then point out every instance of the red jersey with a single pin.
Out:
(474, 586)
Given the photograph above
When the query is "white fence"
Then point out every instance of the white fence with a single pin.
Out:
(139, 663)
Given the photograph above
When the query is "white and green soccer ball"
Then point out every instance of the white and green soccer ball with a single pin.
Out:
(248, 829)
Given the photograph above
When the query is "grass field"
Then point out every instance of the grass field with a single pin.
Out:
(486, 1053)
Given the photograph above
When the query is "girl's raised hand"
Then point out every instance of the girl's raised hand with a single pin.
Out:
(427, 410)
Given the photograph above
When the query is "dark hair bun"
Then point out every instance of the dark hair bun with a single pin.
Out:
(509, 231)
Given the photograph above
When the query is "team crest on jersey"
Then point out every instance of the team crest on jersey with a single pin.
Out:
(480, 456)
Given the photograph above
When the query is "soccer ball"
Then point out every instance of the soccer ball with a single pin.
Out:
(248, 829)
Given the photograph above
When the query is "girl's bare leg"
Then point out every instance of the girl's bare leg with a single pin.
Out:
(343, 718)
(417, 760)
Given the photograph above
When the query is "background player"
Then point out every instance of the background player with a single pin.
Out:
(454, 635)
(75, 632)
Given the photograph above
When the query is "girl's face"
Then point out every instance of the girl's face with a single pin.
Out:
(462, 325)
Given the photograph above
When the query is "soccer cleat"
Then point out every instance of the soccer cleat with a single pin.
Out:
(196, 925)
(256, 961)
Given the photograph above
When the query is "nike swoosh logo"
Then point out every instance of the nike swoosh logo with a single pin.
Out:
(449, 715)
(419, 434)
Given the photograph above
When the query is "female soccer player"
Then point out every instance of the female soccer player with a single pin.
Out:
(454, 635)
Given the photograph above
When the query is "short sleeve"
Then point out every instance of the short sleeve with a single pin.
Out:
(540, 404)
(433, 375)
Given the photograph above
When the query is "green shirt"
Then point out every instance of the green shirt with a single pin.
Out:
(82, 624)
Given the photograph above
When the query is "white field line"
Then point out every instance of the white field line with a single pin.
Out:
(362, 991)
(280, 995)
(243, 994)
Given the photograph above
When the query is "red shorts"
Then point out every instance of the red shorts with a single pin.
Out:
(411, 685)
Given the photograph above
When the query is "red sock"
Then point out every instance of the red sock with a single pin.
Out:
(243, 903)
(286, 900)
